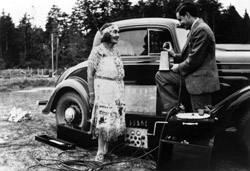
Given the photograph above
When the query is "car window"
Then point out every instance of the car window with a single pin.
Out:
(131, 42)
(157, 39)
(138, 43)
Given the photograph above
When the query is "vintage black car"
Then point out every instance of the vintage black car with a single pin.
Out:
(140, 44)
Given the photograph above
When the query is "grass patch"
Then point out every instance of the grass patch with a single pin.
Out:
(26, 83)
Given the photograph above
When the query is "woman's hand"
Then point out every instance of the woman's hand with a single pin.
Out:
(91, 72)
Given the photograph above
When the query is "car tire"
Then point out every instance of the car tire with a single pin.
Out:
(79, 105)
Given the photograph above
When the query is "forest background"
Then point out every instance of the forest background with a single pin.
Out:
(70, 36)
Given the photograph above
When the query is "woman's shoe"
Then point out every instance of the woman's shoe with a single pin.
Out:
(99, 157)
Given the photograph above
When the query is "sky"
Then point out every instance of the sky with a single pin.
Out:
(38, 9)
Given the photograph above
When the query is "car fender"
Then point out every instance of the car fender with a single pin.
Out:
(76, 84)
(227, 108)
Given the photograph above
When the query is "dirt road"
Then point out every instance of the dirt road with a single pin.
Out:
(19, 151)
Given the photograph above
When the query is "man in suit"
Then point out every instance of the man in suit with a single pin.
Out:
(195, 68)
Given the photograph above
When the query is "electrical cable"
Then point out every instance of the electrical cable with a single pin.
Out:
(42, 166)
(121, 144)
(146, 152)
(87, 164)
(77, 162)
(133, 159)
(59, 164)
(134, 152)
(66, 165)
(102, 166)
(179, 94)
(70, 152)
(166, 120)
(47, 165)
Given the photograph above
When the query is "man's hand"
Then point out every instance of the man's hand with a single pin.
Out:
(175, 68)
(171, 53)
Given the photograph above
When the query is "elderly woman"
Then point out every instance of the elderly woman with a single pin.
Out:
(106, 87)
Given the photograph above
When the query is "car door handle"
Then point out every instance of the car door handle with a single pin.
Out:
(189, 123)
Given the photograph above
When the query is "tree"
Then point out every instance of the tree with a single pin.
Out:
(87, 17)
(121, 9)
(169, 8)
(8, 50)
(24, 39)
(30, 44)
(55, 32)
(232, 26)
(210, 12)
(246, 28)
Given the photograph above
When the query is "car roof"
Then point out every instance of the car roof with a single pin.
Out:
(146, 22)
(142, 22)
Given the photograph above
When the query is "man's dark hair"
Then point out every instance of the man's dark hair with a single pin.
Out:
(106, 36)
(189, 7)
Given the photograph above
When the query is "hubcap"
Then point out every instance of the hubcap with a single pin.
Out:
(70, 114)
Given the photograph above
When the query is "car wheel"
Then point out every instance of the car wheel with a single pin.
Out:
(72, 110)
(244, 133)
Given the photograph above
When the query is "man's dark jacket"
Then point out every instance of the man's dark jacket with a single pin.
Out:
(197, 60)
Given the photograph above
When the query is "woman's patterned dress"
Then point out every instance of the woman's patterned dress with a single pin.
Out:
(108, 114)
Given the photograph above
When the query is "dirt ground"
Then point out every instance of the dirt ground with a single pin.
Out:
(19, 151)
(18, 145)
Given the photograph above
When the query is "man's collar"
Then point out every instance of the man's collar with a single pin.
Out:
(194, 22)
